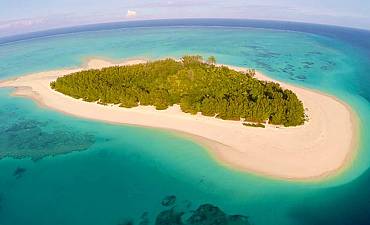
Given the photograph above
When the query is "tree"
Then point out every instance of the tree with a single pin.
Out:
(211, 60)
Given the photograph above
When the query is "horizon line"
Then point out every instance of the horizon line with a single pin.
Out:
(268, 24)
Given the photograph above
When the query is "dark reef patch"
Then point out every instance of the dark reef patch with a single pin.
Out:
(313, 53)
(238, 220)
(208, 214)
(24, 126)
(144, 219)
(169, 200)
(328, 65)
(267, 54)
(301, 77)
(18, 172)
(25, 138)
(326, 68)
(253, 47)
(127, 222)
(262, 64)
(205, 214)
(307, 64)
(169, 217)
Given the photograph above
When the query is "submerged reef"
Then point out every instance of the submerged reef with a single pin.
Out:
(144, 219)
(26, 138)
(169, 217)
(18, 172)
(208, 214)
(205, 214)
(127, 223)
(169, 200)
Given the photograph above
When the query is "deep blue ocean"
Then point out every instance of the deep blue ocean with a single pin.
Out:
(57, 169)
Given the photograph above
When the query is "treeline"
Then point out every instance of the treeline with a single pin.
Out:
(195, 85)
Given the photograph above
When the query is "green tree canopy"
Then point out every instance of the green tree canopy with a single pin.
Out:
(194, 85)
(211, 60)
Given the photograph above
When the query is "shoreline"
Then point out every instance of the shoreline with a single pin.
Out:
(315, 150)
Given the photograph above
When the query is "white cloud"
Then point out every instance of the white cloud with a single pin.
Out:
(131, 14)
(19, 24)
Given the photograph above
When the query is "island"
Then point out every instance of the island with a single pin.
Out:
(307, 134)
(196, 86)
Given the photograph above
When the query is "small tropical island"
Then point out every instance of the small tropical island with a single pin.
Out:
(220, 107)
(195, 85)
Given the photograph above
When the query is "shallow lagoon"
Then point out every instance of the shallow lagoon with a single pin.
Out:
(117, 173)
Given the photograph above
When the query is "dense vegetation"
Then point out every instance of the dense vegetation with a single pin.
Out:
(254, 125)
(195, 85)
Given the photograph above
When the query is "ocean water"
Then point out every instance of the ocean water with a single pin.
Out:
(57, 169)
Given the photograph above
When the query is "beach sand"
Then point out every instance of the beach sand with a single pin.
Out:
(322, 147)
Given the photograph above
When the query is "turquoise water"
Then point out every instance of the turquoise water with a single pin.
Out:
(116, 173)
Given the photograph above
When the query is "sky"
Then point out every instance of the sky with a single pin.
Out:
(22, 16)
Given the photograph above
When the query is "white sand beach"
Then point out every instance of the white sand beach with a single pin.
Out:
(321, 147)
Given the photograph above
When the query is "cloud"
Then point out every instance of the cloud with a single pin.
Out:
(19, 24)
(131, 14)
